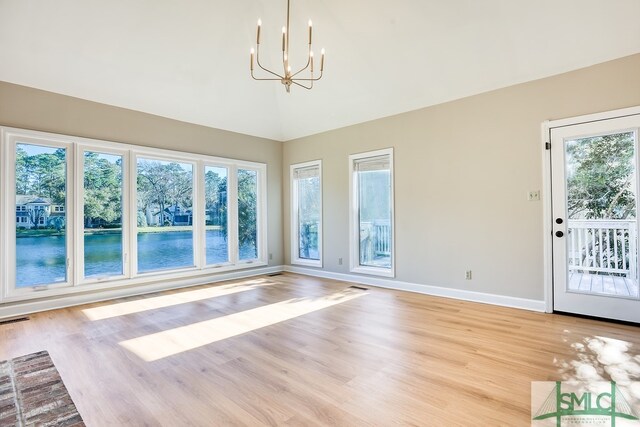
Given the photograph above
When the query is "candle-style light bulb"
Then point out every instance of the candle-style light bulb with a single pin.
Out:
(259, 25)
(310, 30)
(284, 37)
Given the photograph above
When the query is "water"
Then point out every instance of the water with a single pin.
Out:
(41, 260)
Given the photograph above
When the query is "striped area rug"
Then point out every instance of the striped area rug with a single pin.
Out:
(33, 394)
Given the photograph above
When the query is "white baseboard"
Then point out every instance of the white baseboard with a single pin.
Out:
(439, 291)
(33, 306)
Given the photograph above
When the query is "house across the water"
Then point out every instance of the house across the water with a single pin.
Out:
(35, 210)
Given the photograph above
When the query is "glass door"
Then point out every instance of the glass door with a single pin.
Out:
(595, 221)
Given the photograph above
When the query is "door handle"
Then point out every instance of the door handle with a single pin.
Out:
(559, 234)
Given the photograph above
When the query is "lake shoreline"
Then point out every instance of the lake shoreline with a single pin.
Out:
(99, 231)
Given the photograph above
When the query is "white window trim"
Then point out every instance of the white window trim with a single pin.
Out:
(354, 223)
(126, 209)
(261, 220)
(196, 212)
(295, 250)
(9, 254)
(231, 243)
(75, 153)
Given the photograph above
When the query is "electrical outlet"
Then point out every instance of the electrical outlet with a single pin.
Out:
(533, 195)
(339, 261)
(467, 275)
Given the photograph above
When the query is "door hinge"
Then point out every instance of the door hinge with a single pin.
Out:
(547, 146)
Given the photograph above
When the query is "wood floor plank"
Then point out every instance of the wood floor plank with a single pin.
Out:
(380, 358)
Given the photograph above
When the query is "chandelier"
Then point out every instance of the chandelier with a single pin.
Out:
(288, 76)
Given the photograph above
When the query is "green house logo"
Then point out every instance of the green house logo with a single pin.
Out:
(606, 404)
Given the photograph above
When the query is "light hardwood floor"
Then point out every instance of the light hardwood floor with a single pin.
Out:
(296, 350)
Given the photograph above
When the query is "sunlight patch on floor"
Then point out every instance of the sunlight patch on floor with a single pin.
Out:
(153, 303)
(599, 358)
(173, 341)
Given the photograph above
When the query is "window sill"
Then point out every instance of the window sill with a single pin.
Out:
(26, 294)
(307, 262)
(374, 271)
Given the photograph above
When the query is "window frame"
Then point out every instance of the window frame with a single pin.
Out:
(126, 206)
(354, 220)
(9, 178)
(232, 243)
(294, 211)
(162, 157)
(76, 147)
(261, 217)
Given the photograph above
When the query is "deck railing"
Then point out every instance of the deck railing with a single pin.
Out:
(375, 240)
(603, 246)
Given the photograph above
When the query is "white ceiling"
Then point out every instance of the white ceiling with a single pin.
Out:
(189, 60)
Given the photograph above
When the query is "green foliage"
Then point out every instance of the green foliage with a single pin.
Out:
(216, 199)
(308, 214)
(159, 184)
(57, 223)
(247, 207)
(600, 177)
(42, 175)
(141, 219)
(102, 190)
(164, 184)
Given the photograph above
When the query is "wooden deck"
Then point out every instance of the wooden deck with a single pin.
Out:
(603, 284)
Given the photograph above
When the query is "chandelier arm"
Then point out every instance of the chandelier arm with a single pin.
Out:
(263, 79)
(260, 65)
(301, 85)
(312, 79)
(306, 66)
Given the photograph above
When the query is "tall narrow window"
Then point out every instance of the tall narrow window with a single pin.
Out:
(306, 214)
(165, 215)
(41, 232)
(216, 208)
(247, 214)
(372, 225)
(103, 247)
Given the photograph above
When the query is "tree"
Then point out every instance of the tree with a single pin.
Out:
(36, 214)
(165, 185)
(600, 179)
(57, 223)
(22, 172)
(601, 185)
(102, 189)
(309, 214)
(247, 207)
(215, 194)
(42, 174)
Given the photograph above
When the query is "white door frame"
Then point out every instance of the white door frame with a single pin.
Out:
(547, 224)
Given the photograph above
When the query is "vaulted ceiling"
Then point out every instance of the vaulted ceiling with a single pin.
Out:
(189, 60)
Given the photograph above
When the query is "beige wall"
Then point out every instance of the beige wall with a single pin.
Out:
(462, 173)
(29, 108)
